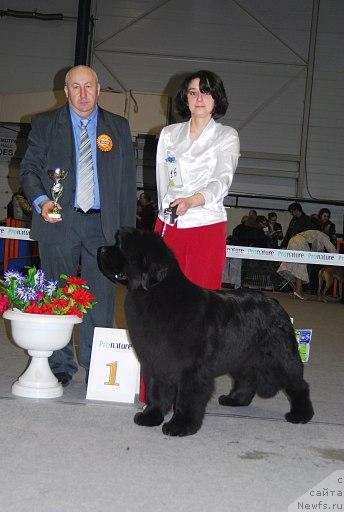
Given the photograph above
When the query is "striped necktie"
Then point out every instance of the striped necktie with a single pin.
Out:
(85, 194)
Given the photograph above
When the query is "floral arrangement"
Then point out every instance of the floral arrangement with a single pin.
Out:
(35, 294)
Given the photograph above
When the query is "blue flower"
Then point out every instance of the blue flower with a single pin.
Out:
(50, 288)
(13, 274)
(26, 293)
(40, 280)
(170, 159)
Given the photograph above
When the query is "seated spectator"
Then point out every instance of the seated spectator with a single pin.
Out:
(252, 216)
(299, 222)
(326, 225)
(265, 227)
(145, 217)
(276, 230)
(20, 208)
(249, 233)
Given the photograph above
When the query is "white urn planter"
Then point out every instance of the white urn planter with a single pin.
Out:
(40, 335)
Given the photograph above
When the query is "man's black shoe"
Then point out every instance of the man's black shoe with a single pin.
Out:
(64, 378)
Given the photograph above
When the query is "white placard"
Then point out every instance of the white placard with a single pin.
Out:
(15, 233)
(114, 370)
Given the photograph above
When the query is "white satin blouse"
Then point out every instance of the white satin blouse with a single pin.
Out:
(206, 165)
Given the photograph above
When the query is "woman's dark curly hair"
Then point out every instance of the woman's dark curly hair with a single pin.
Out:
(208, 83)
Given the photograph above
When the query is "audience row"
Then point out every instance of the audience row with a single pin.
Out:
(260, 231)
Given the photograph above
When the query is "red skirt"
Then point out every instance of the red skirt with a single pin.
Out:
(200, 251)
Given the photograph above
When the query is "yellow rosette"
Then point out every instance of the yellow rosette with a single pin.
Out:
(104, 142)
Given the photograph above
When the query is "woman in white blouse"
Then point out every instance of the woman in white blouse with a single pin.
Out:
(196, 161)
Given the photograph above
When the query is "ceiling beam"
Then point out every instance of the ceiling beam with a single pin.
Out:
(282, 157)
(278, 173)
(267, 29)
(131, 23)
(308, 97)
(268, 101)
(199, 58)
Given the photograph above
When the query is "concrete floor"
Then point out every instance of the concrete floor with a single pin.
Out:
(70, 455)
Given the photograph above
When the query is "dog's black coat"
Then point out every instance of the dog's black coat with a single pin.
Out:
(185, 336)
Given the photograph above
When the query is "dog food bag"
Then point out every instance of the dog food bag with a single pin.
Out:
(303, 337)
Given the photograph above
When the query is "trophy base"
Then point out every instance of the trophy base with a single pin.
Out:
(54, 215)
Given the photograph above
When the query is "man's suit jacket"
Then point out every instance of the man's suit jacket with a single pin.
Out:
(51, 145)
(296, 226)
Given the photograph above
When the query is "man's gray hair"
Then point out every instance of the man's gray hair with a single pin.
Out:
(80, 66)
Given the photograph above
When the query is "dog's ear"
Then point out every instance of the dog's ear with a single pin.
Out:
(153, 276)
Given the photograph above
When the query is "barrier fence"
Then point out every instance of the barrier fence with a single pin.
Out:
(232, 251)
(308, 257)
(15, 233)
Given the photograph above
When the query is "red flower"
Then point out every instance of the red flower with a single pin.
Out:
(76, 280)
(74, 310)
(43, 309)
(60, 303)
(4, 304)
(82, 296)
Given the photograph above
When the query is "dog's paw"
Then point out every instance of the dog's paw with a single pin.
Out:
(179, 428)
(297, 417)
(151, 418)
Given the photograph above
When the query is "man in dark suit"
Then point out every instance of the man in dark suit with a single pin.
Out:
(299, 222)
(145, 217)
(80, 138)
(276, 232)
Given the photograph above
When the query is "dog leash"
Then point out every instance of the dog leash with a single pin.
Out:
(163, 228)
(170, 212)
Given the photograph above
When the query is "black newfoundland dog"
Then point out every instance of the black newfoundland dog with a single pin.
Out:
(185, 336)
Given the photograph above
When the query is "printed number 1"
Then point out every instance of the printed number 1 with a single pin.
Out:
(112, 374)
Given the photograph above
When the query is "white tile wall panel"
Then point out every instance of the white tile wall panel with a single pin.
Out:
(33, 51)
(263, 185)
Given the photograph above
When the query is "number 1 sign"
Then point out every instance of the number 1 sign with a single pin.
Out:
(114, 370)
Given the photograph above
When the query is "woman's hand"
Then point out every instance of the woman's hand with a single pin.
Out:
(184, 203)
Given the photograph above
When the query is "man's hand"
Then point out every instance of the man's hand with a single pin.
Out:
(46, 208)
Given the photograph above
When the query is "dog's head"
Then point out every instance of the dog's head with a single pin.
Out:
(139, 259)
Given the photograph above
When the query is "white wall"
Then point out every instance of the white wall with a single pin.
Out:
(258, 47)
(326, 144)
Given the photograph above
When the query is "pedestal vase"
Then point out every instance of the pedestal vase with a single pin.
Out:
(40, 335)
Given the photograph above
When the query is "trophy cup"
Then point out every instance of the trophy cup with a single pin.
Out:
(56, 190)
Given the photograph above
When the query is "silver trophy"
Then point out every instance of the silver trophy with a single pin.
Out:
(57, 175)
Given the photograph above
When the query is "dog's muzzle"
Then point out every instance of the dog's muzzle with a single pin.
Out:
(110, 262)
